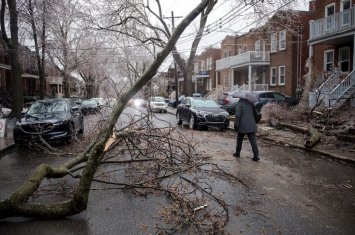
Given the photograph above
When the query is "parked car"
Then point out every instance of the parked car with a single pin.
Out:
(52, 119)
(202, 112)
(76, 100)
(265, 97)
(157, 104)
(197, 95)
(90, 107)
(138, 102)
(100, 101)
(228, 102)
(172, 102)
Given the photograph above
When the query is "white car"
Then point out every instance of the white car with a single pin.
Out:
(157, 104)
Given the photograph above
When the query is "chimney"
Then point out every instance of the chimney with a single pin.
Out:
(312, 5)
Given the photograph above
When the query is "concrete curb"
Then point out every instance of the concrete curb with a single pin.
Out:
(312, 150)
(6, 149)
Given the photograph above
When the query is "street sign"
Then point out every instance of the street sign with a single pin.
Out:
(2, 127)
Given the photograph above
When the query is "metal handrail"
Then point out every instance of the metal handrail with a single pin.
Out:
(341, 88)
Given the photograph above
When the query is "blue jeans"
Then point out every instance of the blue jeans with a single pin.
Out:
(252, 139)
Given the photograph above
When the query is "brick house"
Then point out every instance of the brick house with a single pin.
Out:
(204, 76)
(271, 57)
(332, 50)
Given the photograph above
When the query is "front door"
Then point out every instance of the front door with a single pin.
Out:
(344, 59)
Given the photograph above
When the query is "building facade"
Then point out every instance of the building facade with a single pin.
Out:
(204, 76)
(271, 57)
(332, 50)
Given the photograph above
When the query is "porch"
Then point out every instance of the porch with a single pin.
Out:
(259, 57)
(338, 24)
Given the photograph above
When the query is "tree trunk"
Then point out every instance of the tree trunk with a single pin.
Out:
(16, 69)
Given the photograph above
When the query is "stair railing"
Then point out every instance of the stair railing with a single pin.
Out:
(338, 92)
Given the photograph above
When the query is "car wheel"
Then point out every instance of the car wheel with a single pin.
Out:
(178, 118)
(81, 130)
(192, 122)
(72, 132)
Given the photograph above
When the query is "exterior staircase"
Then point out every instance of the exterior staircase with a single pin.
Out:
(335, 91)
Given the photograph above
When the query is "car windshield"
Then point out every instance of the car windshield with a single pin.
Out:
(48, 107)
(89, 103)
(202, 103)
(158, 99)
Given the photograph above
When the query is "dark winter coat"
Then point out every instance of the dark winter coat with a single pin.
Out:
(245, 117)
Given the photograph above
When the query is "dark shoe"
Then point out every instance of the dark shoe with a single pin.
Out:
(255, 158)
(236, 155)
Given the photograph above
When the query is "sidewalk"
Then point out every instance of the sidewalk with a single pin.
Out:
(7, 143)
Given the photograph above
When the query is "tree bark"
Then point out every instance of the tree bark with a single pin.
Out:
(16, 69)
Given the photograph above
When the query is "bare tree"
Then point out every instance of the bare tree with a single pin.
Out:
(12, 47)
(34, 13)
(65, 32)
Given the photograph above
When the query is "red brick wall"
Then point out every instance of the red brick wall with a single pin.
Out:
(215, 53)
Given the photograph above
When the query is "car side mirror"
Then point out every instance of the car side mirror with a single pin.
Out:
(187, 105)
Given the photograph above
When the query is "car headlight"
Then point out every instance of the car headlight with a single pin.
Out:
(60, 122)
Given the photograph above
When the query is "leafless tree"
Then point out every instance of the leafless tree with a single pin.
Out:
(65, 31)
(34, 13)
(12, 47)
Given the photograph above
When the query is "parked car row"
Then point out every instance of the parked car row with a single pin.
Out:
(229, 100)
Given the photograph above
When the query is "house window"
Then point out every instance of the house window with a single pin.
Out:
(274, 42)
(257, 48)
(328, 60)
(209, 84)
(282, 40)
(282, 75)
(196, 68)
(244, 48)
(273, 76)
(345, 9)
(329, 14)
(203, 65)
(240, 50)
(209, 63)
(225, 54)
(226, 81)
(344, 59)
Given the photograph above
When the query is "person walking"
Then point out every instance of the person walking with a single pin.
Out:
(245, 124)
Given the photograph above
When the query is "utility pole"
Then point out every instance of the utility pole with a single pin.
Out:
(175, 73)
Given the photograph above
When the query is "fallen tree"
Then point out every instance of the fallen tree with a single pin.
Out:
(17, 204)
(312, 135)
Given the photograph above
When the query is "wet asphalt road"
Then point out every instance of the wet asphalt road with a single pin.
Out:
(289, 192)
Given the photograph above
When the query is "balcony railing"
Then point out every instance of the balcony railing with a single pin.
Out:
(328, 26)
(245, 58)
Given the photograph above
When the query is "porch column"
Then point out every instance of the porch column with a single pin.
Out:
(249, 78)
(310, 60)
(196, 84)
(231, 78)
